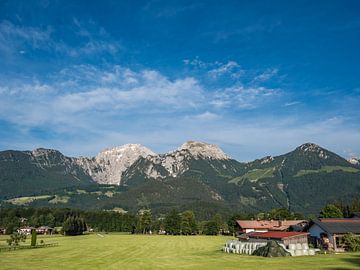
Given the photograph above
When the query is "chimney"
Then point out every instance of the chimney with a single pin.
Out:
(280, 223)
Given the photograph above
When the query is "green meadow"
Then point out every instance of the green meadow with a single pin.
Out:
(119, 251)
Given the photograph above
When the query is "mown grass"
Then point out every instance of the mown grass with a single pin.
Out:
(327, 169)
(117, 251)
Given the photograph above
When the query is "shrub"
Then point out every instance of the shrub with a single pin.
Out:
(351, 241)
(15, 239)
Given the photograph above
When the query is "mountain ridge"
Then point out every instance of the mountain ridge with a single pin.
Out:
(302, 179)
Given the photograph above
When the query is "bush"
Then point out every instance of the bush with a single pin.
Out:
(351, 241)
(15, 239)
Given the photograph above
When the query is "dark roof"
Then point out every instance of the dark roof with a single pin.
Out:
(355, 215)
(339, 225)
(276, 235)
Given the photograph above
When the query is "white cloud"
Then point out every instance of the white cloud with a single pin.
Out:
(243, 97)
(293, 103)
(207, 116)
(266, 75)
(16, 38)
(230, 67)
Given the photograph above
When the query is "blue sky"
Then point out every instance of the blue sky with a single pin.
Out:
(255, 77)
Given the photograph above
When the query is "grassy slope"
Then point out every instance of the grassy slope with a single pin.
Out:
(328, 169)
(115, 251)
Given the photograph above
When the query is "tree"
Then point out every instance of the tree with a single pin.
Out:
(188, 223)
(33, 238)
(15, 239)
(172, 222)
(74, 226)
(145, 221)
(211, 228)
(232, 224)
(331, 211)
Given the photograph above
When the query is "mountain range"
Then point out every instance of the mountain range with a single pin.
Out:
(197, 176)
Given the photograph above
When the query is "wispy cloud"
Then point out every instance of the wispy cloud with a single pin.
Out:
(231, 67)
(266, 75)
(16, 38)
(292, 103)
(243, 97)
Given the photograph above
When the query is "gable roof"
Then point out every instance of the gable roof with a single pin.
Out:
(277, 235)
(339, 225)
(273, 225)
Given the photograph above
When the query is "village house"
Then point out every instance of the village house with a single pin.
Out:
(25, 230)
(328, 232)
(44, 230)
(286, 238)
(246, 226)
(2, 230)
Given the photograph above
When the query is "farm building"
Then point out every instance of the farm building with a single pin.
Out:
(44, 230)
(328, 232)
(25, 230)
(246, 226)
(285, 238)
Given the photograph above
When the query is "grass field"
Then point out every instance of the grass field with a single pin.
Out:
(117, 251)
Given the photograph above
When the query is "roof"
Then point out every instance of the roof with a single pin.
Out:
(45, 228)
(274, 225)
(277, 235)
(356, 215)
(339, 225)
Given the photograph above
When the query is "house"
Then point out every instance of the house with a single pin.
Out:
(2, 230)
(328, 232)
(25, 230)
(286, 238)
(44, 230)
(246, 226)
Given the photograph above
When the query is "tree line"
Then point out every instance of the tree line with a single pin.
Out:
(173, 222)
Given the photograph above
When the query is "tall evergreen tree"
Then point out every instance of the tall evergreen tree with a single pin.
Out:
(172, 222)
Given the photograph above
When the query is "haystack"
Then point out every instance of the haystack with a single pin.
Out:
(272, 249)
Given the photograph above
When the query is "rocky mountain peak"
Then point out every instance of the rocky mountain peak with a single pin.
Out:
(354, 160)
(127, 150)
(43, 152)
(203, 150)
(313, 148)
(108, 166)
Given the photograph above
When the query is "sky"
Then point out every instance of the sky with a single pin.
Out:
(256, 78)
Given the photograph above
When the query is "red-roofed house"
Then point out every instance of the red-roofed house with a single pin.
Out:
(286, 238)
(246, 226)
